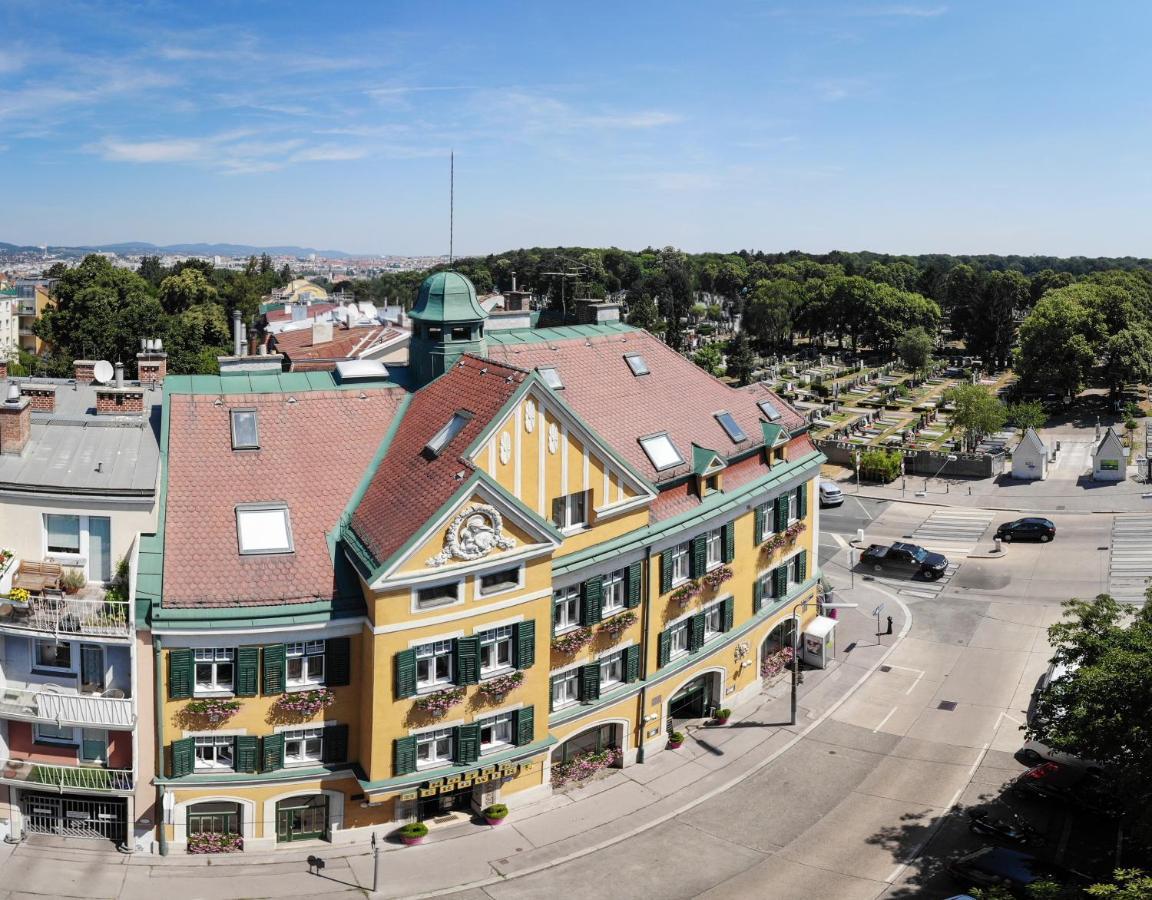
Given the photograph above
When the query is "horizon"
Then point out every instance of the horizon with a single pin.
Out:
(903, 129)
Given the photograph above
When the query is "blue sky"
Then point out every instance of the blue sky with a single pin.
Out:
(1019, 127)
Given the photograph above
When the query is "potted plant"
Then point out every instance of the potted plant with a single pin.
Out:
(721, 717)
(413, 833)
(495, 814)
(675, 740)
(212, 711)
(72, 581)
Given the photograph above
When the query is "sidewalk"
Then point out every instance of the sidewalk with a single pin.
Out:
(611, 807)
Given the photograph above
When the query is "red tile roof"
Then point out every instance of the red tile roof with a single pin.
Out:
(312, 456)
(408, 488)
(677, 396)
(346, 342)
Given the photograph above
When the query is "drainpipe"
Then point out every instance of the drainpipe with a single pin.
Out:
(158, 726)
(645, 615)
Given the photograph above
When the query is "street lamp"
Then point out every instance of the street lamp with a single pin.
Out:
(856, 460)
(796, 644)
(952, 457)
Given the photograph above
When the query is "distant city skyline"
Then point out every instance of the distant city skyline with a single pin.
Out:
(914, 127)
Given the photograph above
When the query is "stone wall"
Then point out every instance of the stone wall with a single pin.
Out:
(921, 462)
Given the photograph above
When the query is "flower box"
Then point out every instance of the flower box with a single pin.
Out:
(585, 765)
(686, 593)
(207, 842)
(438, 703)
(305, 704)
(496, 689)
(572, 641)
(618, 624)
(712, 580)
(776, 663)
(212, 711)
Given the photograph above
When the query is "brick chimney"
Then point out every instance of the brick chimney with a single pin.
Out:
(119, 401)
(42, 397)
(15, 422)
(84, 370)
(152, 366)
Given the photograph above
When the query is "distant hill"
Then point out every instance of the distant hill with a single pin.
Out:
(143, 248)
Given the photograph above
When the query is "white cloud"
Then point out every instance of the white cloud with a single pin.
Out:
(167, 151)
(904, 11)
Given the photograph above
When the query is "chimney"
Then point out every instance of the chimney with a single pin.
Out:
(3, 369)
(119, 401)
(152, 363)
(119, 375)
(321, 332)
(41, 397)
(84, 370)
(15, 422)
(237, 333)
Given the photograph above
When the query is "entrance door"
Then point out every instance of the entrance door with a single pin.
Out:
(445, 804)
(302, 818)
(693, 701)
(91, 668)
(81, 817)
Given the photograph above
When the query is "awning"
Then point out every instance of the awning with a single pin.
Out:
(820, 627)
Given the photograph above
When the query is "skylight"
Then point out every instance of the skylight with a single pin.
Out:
(729, 425)
(244, 432)
(636, 363)
(444, 436)
(769, 409)
(551, 377)
(263, 528)
(661, 451)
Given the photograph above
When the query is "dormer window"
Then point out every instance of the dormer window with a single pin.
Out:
(636, 364)
(444, 436)
(731, 428)
(770, 411)
(551, 376)
(461, 332)
(245, 435)
(710, 484)
(661, 451)
(263, 528)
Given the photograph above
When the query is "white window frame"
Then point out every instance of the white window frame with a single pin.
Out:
(613, 661)
(678, 639)
(214, 742)
(569, 521)
(80, 560)
(615, 596)
(501, 722)
(42, 667)
(307, 652)
(434, 650)
(237, 443)
(303, 737)
(495, 638)
(681, 568)
(768, 526)
(568, 684)
(441, 737)
(713, 614)
(793, 507)
(481, 591)
(270, 549)
(571, 600)
(637, 365)
(714, 548)
(419, 605)
(551, 377)
(214, 657)
(39, 737)
(790, 563)
(448, 432)
(658, 454)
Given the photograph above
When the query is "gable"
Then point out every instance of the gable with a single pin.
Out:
(706, 462)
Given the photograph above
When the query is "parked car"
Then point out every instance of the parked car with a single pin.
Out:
(905, 557)
(1030, 528)
(1034, 753)
(1055, 670)
(1010, 869)
(830, 493)
(1079, 787)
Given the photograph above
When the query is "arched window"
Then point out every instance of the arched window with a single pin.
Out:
(218, 817)
(594, 739)
(783, 635)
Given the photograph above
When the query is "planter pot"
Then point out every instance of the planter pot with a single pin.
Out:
(493, 822)
(675, 745)
(412, 841)
(723, 721)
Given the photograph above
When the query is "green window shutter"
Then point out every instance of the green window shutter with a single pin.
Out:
(246, 752)
(727, 614)
(757, 595)
(274, 665)
(183, 757)
(273, 752)
(552, 692)
(592, 597)
(553, 614)
(664, 650)
(247, 671)
(728, 542)
(335, 746)
(779, 582)
(632, 663)
(802, 501)
(180, 674)
(698, 557)
(524, 643)
(558, 506)
(635, 573)
(468, 660)
(467, 741)
(758, 517)
(590, 682)
(404, 755)
(666, 571)
(802, 565)
(406, 673)
(781, 513)
(696, 632)
(524, 725)
(338, 662)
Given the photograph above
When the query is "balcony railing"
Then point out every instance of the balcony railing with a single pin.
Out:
(91, 615)
(88, 710)
(27, 773)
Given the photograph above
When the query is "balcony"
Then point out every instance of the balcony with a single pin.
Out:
(50, 705)
(88, 613)
(41, 776)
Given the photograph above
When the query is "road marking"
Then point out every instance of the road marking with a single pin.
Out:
(1130, 561)
(863, 510)
(885, 719)
(1004, 716)
(840, 542)
(919, 674)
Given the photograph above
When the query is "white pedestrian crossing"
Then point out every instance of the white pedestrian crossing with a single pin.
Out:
(956, 530)
(1130, 565)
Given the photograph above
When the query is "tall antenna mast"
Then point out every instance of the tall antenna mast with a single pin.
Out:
(451, 204)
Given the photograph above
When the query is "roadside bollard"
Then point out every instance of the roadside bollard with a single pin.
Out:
(999, 545)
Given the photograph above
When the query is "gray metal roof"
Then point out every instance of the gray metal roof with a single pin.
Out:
(72, 450)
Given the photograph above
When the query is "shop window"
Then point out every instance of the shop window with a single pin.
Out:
(214, 818)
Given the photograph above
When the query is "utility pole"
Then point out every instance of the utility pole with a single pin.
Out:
(375, 864)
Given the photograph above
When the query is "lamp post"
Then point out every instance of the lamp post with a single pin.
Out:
(796, 645)
(856, 460)
(952, 457)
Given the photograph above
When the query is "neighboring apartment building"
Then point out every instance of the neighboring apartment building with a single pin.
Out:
(377, 597)
(9, 326)
(35, 296)
(79, 466)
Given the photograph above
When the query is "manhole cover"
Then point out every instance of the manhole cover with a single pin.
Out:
(947, 705)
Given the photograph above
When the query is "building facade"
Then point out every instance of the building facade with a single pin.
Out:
(376, 597)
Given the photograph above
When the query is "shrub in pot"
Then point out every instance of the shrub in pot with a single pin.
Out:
(722, 716)
(413, 833)
(72, 581)
(675, 739)
(496, 813)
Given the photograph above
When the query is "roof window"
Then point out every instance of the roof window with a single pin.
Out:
(636, 363)
(729, 425)
(769, 409)
(444, 436)
(244, 432)
(263, 528)
(661, 451)
(551, 377)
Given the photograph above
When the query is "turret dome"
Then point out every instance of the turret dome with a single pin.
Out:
(447, 297)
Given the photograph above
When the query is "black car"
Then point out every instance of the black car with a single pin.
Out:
(1010, 869)
(1030, 528)
(1082, 787)
(905, 557)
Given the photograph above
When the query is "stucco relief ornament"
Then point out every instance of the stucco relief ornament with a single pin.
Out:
(530, 416)
(505, 448)
(553, 438)
(473, 534)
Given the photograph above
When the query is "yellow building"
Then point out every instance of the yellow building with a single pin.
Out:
(376, 598)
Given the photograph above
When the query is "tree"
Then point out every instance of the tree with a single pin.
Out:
(709, 358)
(1058, 340)
(185, 289)
(151, 270)
(771, 313)
(1029, 414)
(915, 349)
(1128, 358)
(977, 413)
(991, 325)
(741, 359)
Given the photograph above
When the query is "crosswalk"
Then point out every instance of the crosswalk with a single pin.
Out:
(953, 530)
(1130, 566)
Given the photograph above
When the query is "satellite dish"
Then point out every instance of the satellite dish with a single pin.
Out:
(103, 371)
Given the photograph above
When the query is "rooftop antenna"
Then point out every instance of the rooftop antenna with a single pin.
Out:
(451, 204)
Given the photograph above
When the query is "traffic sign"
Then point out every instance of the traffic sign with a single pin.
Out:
(879, 609)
